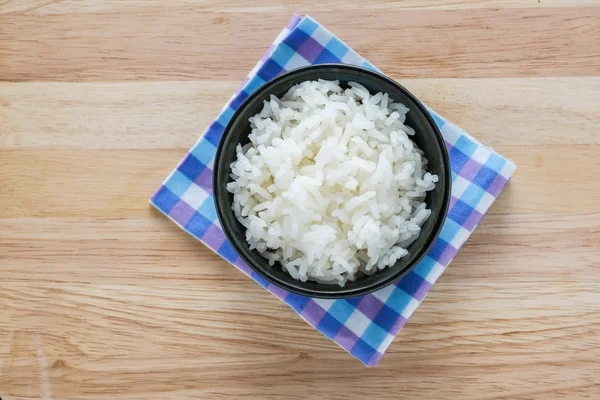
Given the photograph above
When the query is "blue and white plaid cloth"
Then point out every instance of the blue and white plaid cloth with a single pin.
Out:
(364, 326)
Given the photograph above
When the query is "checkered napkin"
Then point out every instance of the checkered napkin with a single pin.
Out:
(364, 326)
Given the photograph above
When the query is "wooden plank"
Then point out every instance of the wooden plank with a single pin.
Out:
(170, 44)
(42, 7)
(82, 182)
(132, 115)
(151, 250)
(118, 183)
(172, 115)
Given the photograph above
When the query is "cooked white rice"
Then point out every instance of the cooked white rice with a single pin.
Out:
(330, 185)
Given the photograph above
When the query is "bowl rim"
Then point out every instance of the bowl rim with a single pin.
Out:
(342, 292)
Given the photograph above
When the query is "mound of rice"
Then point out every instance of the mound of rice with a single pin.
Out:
(331, 186)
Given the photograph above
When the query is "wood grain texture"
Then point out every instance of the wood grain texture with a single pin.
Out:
(172, 114)
(103, 297)
(179, 44)
(43, 7)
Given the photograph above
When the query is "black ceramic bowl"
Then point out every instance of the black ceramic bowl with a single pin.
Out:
(427, 137)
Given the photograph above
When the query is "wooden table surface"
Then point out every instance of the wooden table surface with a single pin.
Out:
(101, 297)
